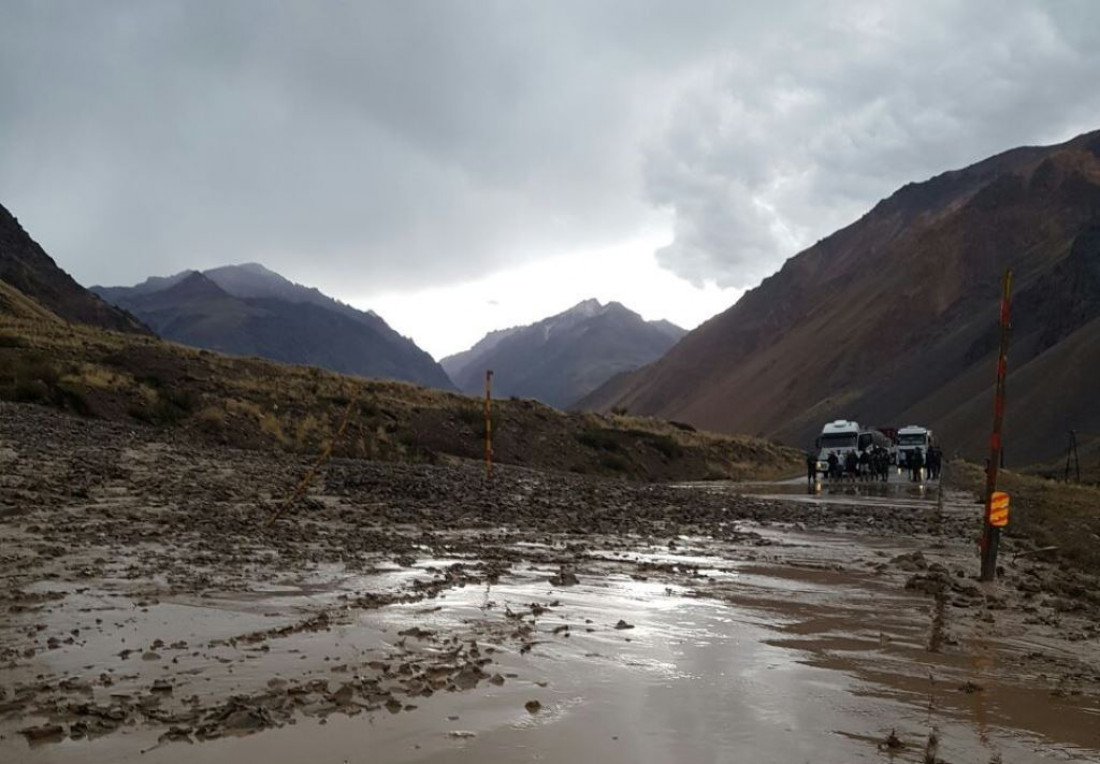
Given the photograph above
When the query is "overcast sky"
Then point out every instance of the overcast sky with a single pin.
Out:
(463, 166)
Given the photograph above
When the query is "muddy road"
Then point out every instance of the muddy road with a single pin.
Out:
(414, 613)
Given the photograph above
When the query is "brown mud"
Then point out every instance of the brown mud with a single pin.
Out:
(418, 613)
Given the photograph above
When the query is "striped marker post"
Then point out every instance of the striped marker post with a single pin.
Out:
(991, 533)
(489, 424)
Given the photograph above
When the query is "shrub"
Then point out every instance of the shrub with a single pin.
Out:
(30, 391)
(166, 407)
(666, 445)
(614, 463)
(212, 420)
(599, 439)
(471, 417)
(34, 378)
(36, 367)
(173, 405)
(69, 397)
(271, 425)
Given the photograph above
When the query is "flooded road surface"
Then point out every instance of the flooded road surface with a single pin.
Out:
(809, 639)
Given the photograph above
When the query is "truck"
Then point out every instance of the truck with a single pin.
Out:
(911, 438)
(837, 437)
(871, 439)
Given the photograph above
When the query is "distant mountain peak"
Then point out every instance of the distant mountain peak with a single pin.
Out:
(589, 307)
(563, 357)
(252, 310)
(255, 268)
(196, 284)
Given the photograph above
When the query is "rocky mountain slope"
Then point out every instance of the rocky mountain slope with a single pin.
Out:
(892, 320)
(562, 358)
(250, 310)
(27, 267)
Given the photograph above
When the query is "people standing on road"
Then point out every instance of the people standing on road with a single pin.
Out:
(880, 461)
(834, 467)
(851, 465)
(811, 468)
(935, 462)
(864, 465)
(916, 465)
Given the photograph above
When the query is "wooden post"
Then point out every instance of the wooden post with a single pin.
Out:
(991, 534)
(489, 424)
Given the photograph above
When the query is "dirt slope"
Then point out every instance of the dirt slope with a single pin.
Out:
(27, 267)
(893, 319)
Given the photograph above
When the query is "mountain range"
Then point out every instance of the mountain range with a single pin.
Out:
(560, 359)
(893, 319)
(250, 310)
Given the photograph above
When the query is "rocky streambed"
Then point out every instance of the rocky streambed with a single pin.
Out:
(419, 612)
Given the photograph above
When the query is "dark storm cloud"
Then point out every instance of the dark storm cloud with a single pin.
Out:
(367, 146)
(779, 143)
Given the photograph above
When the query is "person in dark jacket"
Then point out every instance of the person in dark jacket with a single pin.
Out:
(916, 464)
(834, 467)
(811, 468)
(935, 462)
(851, 465)
(880, 463)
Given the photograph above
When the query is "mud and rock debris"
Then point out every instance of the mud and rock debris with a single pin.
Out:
(113, 528)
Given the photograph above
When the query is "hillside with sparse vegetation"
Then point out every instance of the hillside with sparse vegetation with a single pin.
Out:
(254, 403)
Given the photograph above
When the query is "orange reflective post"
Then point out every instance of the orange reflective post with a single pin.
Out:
(991, 534)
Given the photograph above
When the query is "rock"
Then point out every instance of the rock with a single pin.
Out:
(623, 625)
(929, 583)
(533, 706)
(244, 719)
(468, 677)
(176, 734)
(42, 732)
(113, 713)
(162, 685)
(344, 695)
(564, 578)
(75, 684)
(910, 562)
(892, 742)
